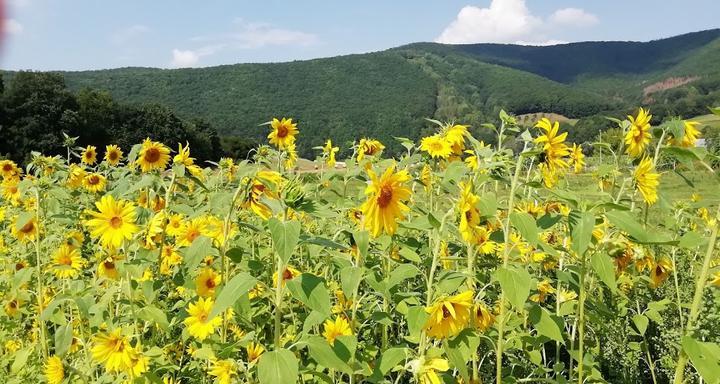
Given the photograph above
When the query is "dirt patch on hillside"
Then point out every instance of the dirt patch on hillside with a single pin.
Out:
(670, 82)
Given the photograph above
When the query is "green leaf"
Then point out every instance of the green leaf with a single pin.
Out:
(602, 265)
(324, 354)
(280, 366)
(416, 318)
(704, 357)
(408, 254)
(239, 285)
(20, 359)
(389, 359)
(401, 273)
(625, 222)
(350, 278)
(581, 226)
(285, 236)
(63, 339)
(641, 323)
(525, 224)
(196, 252)
(545, 324)
(362, 240)
(155, 315)
(311, 291)
(690, 240)
(683, 155)
(515, 283)
(22, 219)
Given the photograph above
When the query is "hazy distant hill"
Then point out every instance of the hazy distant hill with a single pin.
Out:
(389, 93)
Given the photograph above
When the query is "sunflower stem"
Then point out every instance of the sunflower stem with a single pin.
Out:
(40, 290)
(700, 284)
(506, 257)
(581, 320)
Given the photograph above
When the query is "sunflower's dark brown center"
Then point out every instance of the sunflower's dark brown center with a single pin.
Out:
(113, 155)
(446, 312)
(287, 274)
(27, 228)
(116, 222)
(108, 265)
(282, 131)
(7, 167)
(385, 196)
(210, 283)
(152, 155)
(19, 266)
(94, 180)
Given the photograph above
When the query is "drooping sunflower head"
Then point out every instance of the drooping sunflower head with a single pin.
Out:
(449, 316)
(369, 147)
(690, 135)
(647, 180)
(89, 155)
(153, 156)
(254, 350)
(113, 154)
(660, 272)
(283, 133)
(638, 135)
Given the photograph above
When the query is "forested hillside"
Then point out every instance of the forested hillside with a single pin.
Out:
(389, 94)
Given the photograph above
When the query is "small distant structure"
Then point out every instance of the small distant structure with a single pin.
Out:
(700, 143)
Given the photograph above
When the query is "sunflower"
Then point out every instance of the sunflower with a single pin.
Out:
(108, 268)
(9, 170)
(190, 231)
(12, 307)
(215, 229)
(329, 151)
(429, 368)
(152, 156)
(288, 274)
(544, 288)
(89, 155)
(113, 154)
(333, 329)
(455, 136)
(715, 279)
(449, 316)
(638, 136)
(175, 225)
(646, 180)
(206, 282)
(577, 158)
(483, 319)
(469, 213)
(94, 182)
(25, 231)
(54, 371)
(254, 350)
(114, 221)
(283, 132)
(368, 147)
(436, 146)
(660, 272)
(223, 370)
(112, 349)
(690, 137)
(554, 150)
(199, 326)
(67, 262)
(291, 156)
(261, 186)
(183, 157)
(385, 201)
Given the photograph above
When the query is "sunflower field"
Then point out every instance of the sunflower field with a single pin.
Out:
(458, 262)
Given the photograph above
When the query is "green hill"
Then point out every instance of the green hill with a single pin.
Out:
(389, 93)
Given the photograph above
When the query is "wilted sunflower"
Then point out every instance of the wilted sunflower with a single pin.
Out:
(112, 349)
(113, 154)
(436, 146)
(206, 282)
(54, 371)
(449, 316)
(197, 322)
(660, 272)
(646, 180)
(223, 370)
(152, 156)
(254, 350)
(114, 221)
(94, 182)
(368, 147)
(638, 136)
(283, 132)
(385, 201)
(483, 318)
(89, 155)
(67, 262)
(333, 329)
(25, 231)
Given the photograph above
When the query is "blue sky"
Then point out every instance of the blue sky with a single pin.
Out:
(94, 34)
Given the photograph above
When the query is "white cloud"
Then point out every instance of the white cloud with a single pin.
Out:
(127, 34)
(573, 17)
(251, 35)
(12, 27)
(509, 21)
(184, 59)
